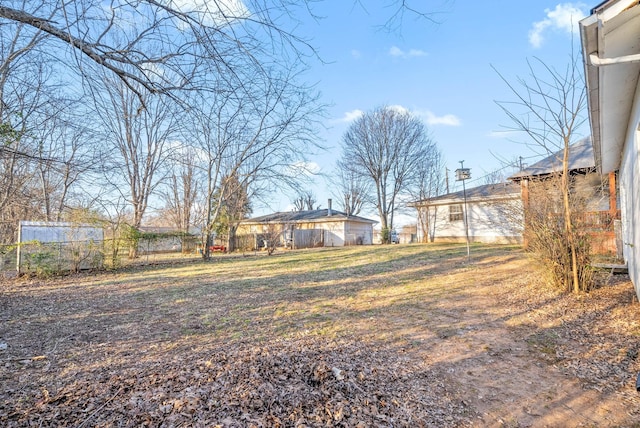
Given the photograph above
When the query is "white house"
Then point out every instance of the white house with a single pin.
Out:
(611, 49)
(332, 228)
(494, 214)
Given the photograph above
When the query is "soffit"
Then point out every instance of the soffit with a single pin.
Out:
(612, 88)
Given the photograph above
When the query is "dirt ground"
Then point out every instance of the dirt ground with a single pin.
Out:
(358, 337)
(552, 363)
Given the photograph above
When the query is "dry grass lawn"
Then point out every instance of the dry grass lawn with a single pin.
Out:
(405, 335)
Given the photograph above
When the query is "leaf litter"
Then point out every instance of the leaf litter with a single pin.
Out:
(509, 355)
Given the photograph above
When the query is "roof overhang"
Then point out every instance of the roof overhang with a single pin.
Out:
(328, 219)
(470, 200)
(611, 52)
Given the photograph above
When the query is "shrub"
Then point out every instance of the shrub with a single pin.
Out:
(549, 241)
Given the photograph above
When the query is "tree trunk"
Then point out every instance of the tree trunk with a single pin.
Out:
(231, 244)
(206, 243)
(567, 218)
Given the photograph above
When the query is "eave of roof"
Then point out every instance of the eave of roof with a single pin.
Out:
(309, 216)
(611, 31)
(580, 159)
(484, 193)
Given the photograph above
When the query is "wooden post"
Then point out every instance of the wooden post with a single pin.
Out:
(613, 197)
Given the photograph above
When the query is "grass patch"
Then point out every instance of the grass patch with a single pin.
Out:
(160, 344)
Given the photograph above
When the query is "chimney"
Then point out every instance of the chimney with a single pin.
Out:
(329, 212)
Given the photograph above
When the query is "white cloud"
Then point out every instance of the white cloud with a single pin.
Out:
(417, 52)
(429, 117)
(355, 53)
(446, 120)
(350, 116)
(398, 108)
(220, 12)
(399, 53)
(506, 134)
(303, 168)
(564, 17)
(395, 51)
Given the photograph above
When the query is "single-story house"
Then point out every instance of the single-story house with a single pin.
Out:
(595, 194)
(611, 51)
(493, 213)
(311, 228)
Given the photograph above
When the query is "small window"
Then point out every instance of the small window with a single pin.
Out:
(455, 213)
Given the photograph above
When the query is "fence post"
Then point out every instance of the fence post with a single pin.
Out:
(18, 250)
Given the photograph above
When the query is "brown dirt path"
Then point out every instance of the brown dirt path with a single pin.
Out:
(514, 354)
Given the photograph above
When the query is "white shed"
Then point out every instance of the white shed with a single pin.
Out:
(58, 246)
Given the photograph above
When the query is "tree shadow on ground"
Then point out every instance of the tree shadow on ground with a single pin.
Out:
(152, 346)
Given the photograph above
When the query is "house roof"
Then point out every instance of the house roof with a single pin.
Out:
(611, 54)
(307, 216)
(580, 159)
(485, 192)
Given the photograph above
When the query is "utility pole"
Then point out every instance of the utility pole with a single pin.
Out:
(463, 174)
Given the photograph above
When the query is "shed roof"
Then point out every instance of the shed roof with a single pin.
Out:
(307, 216)
(580, 159)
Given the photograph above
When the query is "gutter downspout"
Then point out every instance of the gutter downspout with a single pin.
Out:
(596, 61)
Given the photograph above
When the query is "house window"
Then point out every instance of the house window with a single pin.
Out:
(455, 213)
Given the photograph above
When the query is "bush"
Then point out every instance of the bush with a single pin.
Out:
(42, 263)
(549, 242)
(386, 235)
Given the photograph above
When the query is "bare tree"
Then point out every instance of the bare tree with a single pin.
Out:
(181, 190)
(65, 155)
(494, 177)
(139, 140)
(162, 47)
(171, 49)
(257, 132)
(159, 47)
(550, 109)
(388, 147)
(305, 200)
(352, 189)
(19, 100)
(430, 181)
(44, 149)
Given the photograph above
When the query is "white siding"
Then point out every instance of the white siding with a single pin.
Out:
(630, 195)
(341, 233)
(358, 233)
(333, 233)
(489, 222)
(43, 231)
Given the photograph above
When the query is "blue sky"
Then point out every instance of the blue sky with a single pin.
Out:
(441, 72)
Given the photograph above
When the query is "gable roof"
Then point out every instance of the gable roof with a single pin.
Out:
(486, 192)
(580, 159)
(307, 216)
